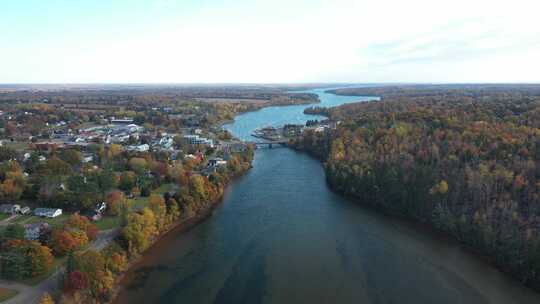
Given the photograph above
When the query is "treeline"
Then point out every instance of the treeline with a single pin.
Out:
(465, 162)
(90, 276)
(146, 95)
(317, 111)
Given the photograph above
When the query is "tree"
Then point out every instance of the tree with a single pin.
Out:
(63, 241)
(173, 210)
(117, 262)
(72, 157)
(76, 280)
(57, 167)
(198, 187)
(127, 181)
(138, 164)
(7, 153)
(115, 150)
(11, 190)
(81, 223)
(40, 258)
(23, 259)
(139, 231)
(46, 299)
(157, 205)
(115, 200)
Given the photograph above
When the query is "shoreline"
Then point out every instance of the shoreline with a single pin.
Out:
(422, 226)
(181, 226)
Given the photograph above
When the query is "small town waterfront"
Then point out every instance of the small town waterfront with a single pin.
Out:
(281, 236)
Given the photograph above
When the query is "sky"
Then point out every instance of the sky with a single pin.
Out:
(269, 41)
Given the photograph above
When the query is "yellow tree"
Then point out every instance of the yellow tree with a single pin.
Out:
(46, 299)
(157, 205)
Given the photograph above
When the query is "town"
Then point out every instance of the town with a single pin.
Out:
(81, 181)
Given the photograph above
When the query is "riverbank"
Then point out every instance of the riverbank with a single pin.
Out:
(392, 156)
(283, 236)
(180, 226)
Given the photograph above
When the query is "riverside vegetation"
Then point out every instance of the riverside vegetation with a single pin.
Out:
(464, 159)
(49, 157)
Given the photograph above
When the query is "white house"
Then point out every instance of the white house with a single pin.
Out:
(139, 148)
(100, 207)
(9, 208)
(48, 212)
(217, 162)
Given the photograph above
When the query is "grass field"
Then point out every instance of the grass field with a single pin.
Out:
(166, 188)
(6, 294)
(138, 203)
(108, 222)
(4, 216)
(31, 219)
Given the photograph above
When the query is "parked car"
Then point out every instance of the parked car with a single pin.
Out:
(24, 210)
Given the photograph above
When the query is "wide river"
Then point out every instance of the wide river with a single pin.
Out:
(281, 236)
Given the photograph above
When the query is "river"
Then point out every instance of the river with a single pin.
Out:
(281, 236)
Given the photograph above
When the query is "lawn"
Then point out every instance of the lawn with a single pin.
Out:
(31, 219)
(4, 216)
(139, 203)
(16, 145)
(171, 187)
(6, 294)
(108, 222)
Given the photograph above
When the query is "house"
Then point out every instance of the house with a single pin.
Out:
(138, 148)
(100, 207)
(24, 210)
(32, 232)
(48, 212)
(9, 208)
(126, 121)
(216, 162)
(87, 158)
(196, 140)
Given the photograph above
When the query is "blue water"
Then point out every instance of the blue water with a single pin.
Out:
(281, 236)
(244, 124)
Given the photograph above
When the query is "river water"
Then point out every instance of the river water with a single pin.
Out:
(281, 236)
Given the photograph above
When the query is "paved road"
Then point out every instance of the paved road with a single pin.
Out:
(6, 221)
(32, 294)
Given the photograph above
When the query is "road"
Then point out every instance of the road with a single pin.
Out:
(32, 294)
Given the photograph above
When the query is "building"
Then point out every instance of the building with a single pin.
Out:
(24, 210)
(138, 148)
(197, 140)
(47, 212)
(32, 232)
(100, 207)
(216, 162)
(87, 157)
(126, 121)
(9, 208)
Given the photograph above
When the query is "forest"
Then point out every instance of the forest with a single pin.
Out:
(464, 159)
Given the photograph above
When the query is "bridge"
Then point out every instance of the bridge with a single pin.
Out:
(270, 144)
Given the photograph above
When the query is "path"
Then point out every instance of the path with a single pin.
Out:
(6, 221)
(32, 294)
